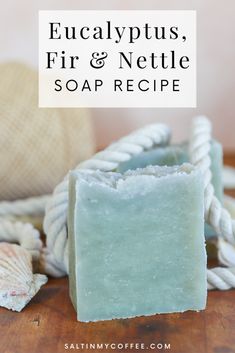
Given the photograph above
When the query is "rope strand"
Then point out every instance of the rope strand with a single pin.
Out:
(217, 216)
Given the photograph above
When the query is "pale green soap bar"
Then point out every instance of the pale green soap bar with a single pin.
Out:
(178, 154)
(136, 244)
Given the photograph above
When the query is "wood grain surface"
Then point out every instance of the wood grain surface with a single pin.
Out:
(48, 323)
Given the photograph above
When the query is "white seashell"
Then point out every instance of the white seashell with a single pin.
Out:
(18, 284)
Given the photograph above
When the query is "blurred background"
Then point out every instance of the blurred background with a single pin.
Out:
(216, 57)
(59, 147)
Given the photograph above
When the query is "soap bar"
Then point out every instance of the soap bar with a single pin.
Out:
(136, 243)
(178, 154)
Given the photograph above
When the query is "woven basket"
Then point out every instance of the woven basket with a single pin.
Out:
(37, 145)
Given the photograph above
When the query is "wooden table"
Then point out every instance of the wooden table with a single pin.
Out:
(49, 322)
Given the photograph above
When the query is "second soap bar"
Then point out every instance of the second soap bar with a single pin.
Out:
(178, 154)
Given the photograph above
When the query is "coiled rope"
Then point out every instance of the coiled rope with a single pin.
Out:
(217, 216)
(54, 257)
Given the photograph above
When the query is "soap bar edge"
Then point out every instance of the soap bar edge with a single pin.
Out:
(71, 237)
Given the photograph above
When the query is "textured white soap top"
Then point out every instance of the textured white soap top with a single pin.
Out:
(115, 180)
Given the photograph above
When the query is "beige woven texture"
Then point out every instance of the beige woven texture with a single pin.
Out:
(37, 145)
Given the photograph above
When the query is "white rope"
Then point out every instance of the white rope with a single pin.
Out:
(221, 278)
(30, 207)
(22, 233)
(18, 232)
(217, 216)
(226, 253)
(55, 257)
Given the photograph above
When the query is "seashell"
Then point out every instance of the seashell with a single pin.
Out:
(18, 284)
